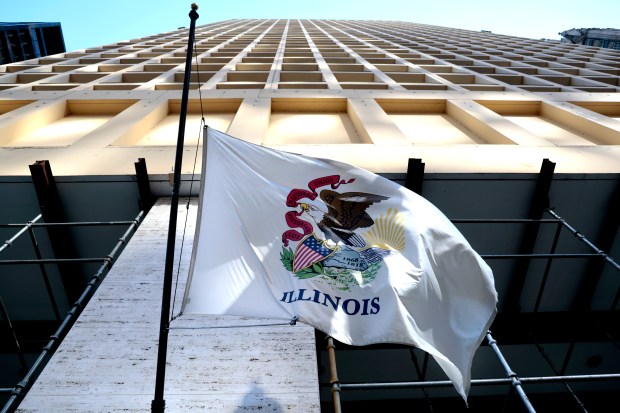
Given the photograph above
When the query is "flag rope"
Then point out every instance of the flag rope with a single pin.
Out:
(290, 323)
(201, 127)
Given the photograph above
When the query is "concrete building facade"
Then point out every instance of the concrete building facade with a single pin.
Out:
(504, 128)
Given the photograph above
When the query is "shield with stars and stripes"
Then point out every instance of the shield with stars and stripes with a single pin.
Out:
(310, 251)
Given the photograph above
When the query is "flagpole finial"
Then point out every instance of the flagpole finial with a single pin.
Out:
(193, 14)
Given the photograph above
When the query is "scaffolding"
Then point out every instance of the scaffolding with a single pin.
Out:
(18, 392)
(514, 383)
(511, 388)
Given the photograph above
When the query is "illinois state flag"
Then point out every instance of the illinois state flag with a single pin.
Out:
(348, 252)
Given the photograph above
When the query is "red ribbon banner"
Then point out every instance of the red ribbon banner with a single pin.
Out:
(292, 200)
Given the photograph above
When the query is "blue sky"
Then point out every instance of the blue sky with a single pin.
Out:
(94, 23)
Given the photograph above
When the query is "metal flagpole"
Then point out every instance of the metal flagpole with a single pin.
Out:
(158, 404)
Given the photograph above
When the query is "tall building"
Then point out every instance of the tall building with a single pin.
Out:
(25, 41)
(609, 38)
(516, 140)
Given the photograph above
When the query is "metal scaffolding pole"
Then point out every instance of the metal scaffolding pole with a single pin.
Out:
(335, 383)
(543, 282)
(421, 372)
(46, 279)
(582, 238)
(514, 379)
(18, 348)
(9, 243)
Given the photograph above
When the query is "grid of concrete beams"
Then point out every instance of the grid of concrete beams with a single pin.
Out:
(324, 54)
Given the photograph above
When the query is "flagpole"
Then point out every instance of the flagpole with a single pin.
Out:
(158, 404)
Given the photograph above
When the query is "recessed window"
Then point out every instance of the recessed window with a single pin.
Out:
(426, 122)
(218, 114)
(63, 123)
(310, 122)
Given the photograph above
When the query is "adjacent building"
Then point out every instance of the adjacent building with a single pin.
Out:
(516, 140)
(25, 41)
(609, 38)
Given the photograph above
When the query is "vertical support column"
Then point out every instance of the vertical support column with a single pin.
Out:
(604, 242)
(46, 279)
(36, 50)
(42, 48)
(540, 202)
(60, 237)
(252, 120)
(276, 68)
(415, 175)
(6, 43)
(146, 196)
(328, 75)
(20, 45)
(421, 372)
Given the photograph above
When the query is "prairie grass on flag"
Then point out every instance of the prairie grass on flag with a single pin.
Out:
(348, 252)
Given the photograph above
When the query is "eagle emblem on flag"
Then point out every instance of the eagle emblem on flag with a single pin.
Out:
(328, 227)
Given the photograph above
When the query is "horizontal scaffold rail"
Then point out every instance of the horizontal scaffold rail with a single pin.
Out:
(537, 256)
(55, 261)
(67, 224)
(478, 382)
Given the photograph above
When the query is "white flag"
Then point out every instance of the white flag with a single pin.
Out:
(348, 252)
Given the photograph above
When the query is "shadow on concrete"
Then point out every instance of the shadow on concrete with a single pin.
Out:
(256, 400)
